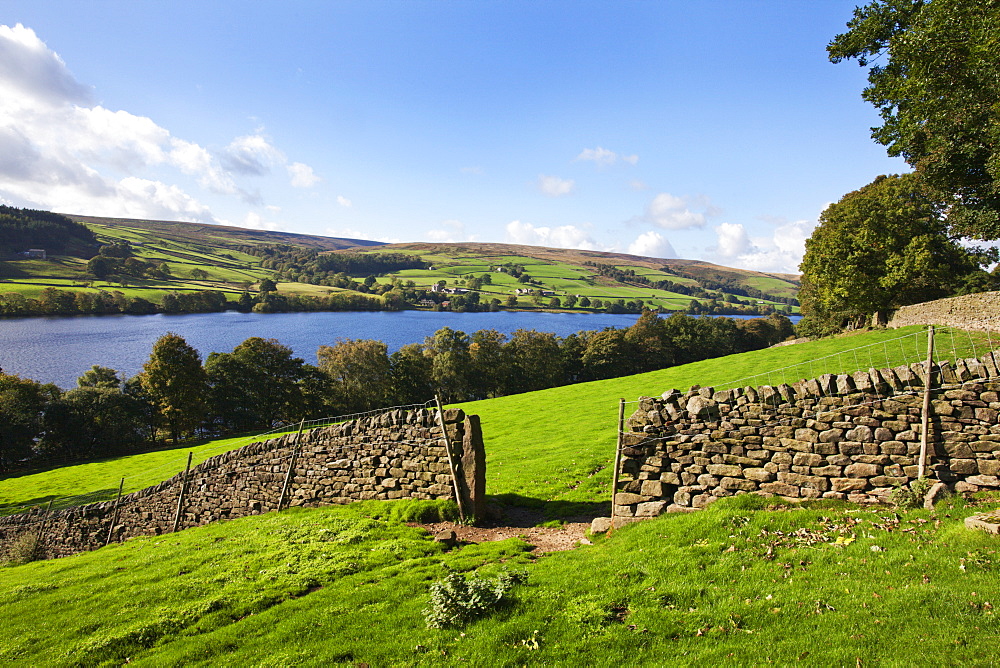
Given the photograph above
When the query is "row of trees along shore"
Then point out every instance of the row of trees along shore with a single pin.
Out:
(934, 76)
(261, 384)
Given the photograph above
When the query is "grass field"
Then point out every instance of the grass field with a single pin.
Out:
(746, 582)
(551, 448)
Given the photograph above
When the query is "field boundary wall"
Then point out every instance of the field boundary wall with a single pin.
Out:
(853, 437)
(968, 312)
(394, 455)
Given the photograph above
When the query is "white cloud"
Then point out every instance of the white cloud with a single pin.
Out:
(674, 213)
(553, 186)
(471, 170)
(251, 154)
(353, 233)
(60, 151)
(451, 231)
(652, 244)
(303, 176)
(344, 202)
(30, 71)
(782, 251)
(565, 236)
(604, 157)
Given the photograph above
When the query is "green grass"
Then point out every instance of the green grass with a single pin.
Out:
(747, 581)
(552, 447)
(97, 481)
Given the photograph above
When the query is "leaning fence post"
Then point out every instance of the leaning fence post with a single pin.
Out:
(618, 460)
(114, 512)
(291, 466)
(925, 416)
(180, 497)
(451, 461)
(41, 528)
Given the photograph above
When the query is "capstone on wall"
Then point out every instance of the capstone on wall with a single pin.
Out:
(395, 455)
(852, 437)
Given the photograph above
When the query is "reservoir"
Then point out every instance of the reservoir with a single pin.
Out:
(59, 349)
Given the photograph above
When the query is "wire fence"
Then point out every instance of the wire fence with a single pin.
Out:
(136, 480)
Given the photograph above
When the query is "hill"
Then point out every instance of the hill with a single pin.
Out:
(230, 261)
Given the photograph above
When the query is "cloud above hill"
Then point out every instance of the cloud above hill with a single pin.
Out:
(60, 150)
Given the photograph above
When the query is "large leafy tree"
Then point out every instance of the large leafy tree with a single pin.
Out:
(935, 78)
(255, 386)
(176, 384)
(359, 373)
(22, 405)
(878, 248)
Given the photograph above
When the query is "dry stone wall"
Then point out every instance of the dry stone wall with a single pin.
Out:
(970, 312)
(851, 437)
(399, 454)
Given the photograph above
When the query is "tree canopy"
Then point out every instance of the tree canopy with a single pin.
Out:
(935, 79)
(879, 248)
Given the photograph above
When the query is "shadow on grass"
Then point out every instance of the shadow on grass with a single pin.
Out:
(58, 502)
(525, 511)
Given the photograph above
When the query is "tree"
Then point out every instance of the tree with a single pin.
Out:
(22, 403)
(490, 363)
(451, 363)
(268, 285)
(93, 421)
(878, 248)
(536, 361)
(936, 83)
(101, 377)
(359, 372)
(176, 383)
(256, 386)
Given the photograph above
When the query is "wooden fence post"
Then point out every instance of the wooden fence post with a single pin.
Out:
(618, 460)
(291, 466)
(114, 512)
(41, 529)
(180, 497)
(451, 461)
(925, 416)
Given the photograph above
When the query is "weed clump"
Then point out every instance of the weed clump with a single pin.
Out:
(23, 549)
(457, 600)
(910, 496)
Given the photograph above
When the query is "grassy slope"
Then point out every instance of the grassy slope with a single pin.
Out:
(736, 584)
(187, 247)
(553, 445)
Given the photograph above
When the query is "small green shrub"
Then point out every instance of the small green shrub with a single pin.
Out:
(457, 600)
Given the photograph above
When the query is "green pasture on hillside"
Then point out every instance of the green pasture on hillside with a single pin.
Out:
(748, 581)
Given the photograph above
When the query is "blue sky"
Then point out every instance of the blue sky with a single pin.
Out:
(712, 130)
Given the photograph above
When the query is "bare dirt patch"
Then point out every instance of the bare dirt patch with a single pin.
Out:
(520, 523)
